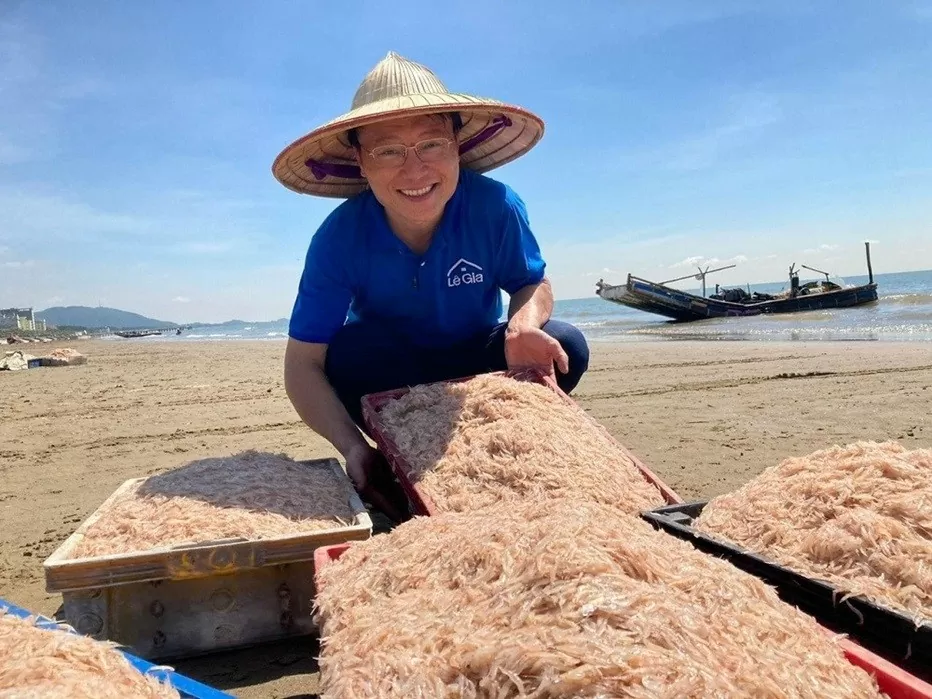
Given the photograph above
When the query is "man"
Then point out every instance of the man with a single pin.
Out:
(402, 283)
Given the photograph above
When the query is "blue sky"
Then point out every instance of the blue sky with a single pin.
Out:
(136, 139)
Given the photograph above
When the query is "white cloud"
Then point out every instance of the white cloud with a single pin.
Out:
(19, 264)
(689, 262)
(701, 261)
(61, 218)
(922, 9)
(35, 95)
(744, 120)
(602, 272)
(824, 247)
(181, 299)
(217, 227)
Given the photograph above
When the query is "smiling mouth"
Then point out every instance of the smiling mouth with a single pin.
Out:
(418, 193)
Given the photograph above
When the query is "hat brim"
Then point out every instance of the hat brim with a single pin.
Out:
(329, 143)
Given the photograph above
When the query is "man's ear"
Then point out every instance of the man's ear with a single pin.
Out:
(360, 161)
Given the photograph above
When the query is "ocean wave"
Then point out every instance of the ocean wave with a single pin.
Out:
(908, 299)
(888, 332)
(914, 316)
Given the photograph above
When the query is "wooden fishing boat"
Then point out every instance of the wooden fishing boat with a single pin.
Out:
(137, 333)
(660, 299)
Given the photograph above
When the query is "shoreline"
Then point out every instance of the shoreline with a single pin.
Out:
(704, 416)
(626, 339)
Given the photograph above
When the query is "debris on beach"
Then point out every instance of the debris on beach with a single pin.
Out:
(562, 599)
(64, 356)
(15, 361)
(858, 517)
(39, 662)
(493, 438)
(19, 360)
(253, 495)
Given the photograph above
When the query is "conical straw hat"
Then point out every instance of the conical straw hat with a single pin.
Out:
(323, 162)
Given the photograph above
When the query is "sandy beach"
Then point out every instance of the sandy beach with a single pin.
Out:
(705, 416)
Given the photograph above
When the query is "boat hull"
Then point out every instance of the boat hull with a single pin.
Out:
(679, 305)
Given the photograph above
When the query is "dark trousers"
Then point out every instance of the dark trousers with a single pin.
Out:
(365, 358)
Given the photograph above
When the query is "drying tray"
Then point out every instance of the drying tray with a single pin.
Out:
(887, 631)
(196, 559)
(185, 686)
(421, 503)
(896, 682)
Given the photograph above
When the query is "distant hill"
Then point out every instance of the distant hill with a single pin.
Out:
(234, 323)
(88, 317)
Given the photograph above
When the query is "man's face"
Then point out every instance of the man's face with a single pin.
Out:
(414, 192)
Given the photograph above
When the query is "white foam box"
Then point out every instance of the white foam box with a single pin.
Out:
(186, 600)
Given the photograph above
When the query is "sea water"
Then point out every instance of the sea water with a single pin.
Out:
(902, 313)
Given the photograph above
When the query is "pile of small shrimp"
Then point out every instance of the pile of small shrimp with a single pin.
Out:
(562, 599)
(493, 438)
(37, 663)
(253, 495)
(858, 517)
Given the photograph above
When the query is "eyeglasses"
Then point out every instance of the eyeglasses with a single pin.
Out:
(394, 155)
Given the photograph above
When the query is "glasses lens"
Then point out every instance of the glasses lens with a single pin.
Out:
(391, 155)
(433, 149)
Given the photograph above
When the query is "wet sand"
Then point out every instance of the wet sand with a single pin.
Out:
(705, 416)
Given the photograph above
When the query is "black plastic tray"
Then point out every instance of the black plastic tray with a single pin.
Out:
(887, 632)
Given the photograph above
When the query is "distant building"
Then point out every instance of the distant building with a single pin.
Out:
(21, 319)
(24, 323)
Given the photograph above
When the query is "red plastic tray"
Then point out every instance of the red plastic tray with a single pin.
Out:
(893, 680)
(421, 503)
(889, 632)
(324, 555)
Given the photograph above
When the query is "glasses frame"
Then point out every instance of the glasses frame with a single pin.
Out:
(448, 144)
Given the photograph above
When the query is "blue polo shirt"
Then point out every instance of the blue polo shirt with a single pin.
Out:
(357, 270)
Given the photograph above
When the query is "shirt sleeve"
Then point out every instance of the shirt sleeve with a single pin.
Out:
(324, 292)
(519, 260)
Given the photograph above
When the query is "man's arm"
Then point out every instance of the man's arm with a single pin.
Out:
(526, 345)
(316, 402)
(531, 306)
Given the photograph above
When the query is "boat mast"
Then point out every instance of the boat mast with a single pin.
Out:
(794, 280)
(870, 272)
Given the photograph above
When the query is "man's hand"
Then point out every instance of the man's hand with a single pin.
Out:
(359, 462)
(532, 348)
(373, 480)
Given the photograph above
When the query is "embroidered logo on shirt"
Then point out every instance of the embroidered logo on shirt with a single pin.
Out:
(464, 272)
